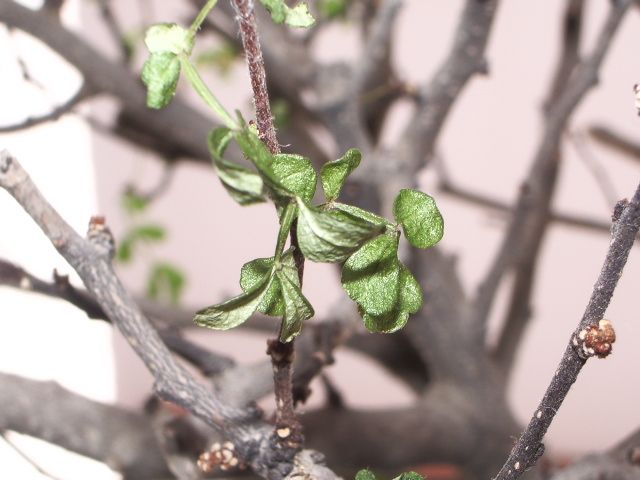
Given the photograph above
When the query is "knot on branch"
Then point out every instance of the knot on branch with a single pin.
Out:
(100, 235)
(595, 340)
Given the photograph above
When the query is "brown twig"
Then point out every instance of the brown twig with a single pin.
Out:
(529, 447)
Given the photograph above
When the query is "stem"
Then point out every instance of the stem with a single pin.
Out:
(529, 447)
(253, 52)
(198, 84)
(201, 16)
(288, 429)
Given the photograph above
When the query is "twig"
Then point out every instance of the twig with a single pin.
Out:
(616, 141)
(529, 447)
(251, 43)
(27, 458)
(288, 427)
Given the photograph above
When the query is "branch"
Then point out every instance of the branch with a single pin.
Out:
(532, 213)
(253, 439)
(177, 129)
(529, 447)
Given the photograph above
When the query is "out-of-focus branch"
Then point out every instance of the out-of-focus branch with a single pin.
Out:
(532, 212)
(583, 343)
(121, 439)
(253, 439)
(178, 130)
(437, 97)
(621, 462)
(615, 141)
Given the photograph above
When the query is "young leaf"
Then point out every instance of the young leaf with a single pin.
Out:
(253, 272)
(294, 17)
(134, 203)
(148, 232)
(161, 71)
(332, 237)
(363, 214)
(365, 475)
(235, 311)
(160, 74)
(371, 276)
(166, 280)
(420, 218)
(387, 322)
(335, 173)
(244, 186)
(296, 174)
(297, 307)
(410, 476)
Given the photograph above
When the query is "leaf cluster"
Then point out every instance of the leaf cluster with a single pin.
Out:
(333, 232)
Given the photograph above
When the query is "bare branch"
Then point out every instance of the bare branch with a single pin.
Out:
(529, 447)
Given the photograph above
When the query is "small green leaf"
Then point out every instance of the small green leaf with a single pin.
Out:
(335, 173)
(296, 174)
(160, 74)
(333, 8)
(294, 17)
(148, 232)
(125, 250)
(410, 293)
(365, 475)
(244, 186)
(332, 237)
(361, 213)
(235, 311)
(252, 274)
(420, 218)
(134, 203)
(410, 476)
(387, 322)
(371, 276)
(166, 280)
(297, 307)
(254, 149)
(168, 38)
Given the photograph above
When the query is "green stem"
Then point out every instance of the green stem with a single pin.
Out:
(201, 16)
(198, 84)
(288, 215)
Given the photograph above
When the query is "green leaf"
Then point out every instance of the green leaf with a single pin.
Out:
(235, 311)
(335, 173)
(365, 475)
(333, 8)
(332, 237)
(410, 476)
(245, 186)
(160, 74)
(371, 276)
(166, 280)
(168, 38)
(161, 71)
(409, 301)
(387, 322)
(134, 203)
(361, 213)
(294, 17)
(252, 274)
(125, 250)
(420, 218)
(148, 232)
(297, 307)
(296, 174)
(254, 149)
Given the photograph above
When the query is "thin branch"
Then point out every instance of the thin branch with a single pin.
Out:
(26, 457)
(253, 52)
(529, 447)
(67, 107)
(616, 141)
